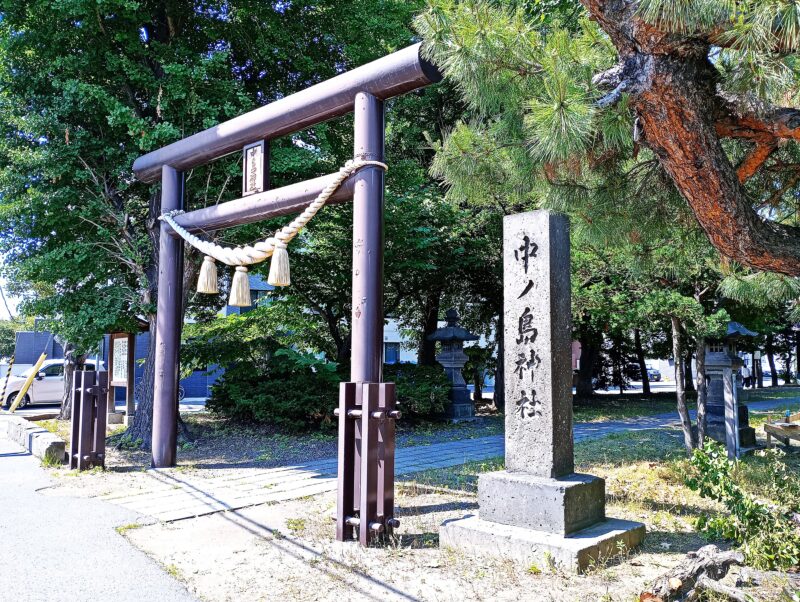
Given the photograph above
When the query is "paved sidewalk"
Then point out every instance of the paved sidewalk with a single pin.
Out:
(177, 495)
(60, 548)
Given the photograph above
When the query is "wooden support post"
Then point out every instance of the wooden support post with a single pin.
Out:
(386, 403)
(345, 499)
(77, 385)
(363, 439)
(168, 327)
(97, 403)
(85, 430)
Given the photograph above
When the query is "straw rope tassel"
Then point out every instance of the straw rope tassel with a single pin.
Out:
(207, 281)
(240, 288)
(274, 246)
(279, 268)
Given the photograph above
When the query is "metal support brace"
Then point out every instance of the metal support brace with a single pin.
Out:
(367, 414)
(87, 446)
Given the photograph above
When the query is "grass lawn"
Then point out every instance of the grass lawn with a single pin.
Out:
(604, 408)
(645, 475)
(773, 393)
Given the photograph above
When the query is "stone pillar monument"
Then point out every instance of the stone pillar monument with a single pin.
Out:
(539, 507)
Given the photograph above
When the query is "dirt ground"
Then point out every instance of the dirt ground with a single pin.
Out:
(286, 551)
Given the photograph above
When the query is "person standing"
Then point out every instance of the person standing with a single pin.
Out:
(746, 376)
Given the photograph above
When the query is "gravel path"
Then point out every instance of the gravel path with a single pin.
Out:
(61, 548)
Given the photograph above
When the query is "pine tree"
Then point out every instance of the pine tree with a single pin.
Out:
(614, 114)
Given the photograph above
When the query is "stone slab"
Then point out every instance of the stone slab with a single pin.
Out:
(575, 553)
(561, 506)
(39, 442)
(115, 418)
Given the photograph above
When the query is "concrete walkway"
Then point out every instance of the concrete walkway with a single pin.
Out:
(59, 548)
(176, 495)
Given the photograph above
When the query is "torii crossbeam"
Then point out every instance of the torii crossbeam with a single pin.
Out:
(366, 407)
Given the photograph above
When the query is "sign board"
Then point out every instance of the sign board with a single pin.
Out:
(119, 371)
(254, 162)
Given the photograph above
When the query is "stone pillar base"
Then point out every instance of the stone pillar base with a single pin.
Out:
(573, 553)
(114, 418)
(561, 506)
(460, 411)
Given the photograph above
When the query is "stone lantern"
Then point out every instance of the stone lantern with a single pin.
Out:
(727, 420)
(453, 358)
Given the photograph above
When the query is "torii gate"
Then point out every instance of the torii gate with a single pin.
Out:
(366, 406)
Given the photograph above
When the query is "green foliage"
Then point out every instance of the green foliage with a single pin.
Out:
(291, 390)
(299, 391)
(758, 38)
(421, 390)
(8, 336)
(768, 536)
(539, 135)
(86, 86)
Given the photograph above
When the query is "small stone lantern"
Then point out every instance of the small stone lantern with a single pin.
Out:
(453, 358)
(727, 420)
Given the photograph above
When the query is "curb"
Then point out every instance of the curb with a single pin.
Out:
(39, 442)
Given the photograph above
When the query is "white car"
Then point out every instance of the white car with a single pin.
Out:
(47, 387)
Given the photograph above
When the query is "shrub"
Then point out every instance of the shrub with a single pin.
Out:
(297, 391)
(294, 391)
(766, 532)
(421, 390)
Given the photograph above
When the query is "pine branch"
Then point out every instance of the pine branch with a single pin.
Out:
(749, 117)
(614, 97)
(760, 153)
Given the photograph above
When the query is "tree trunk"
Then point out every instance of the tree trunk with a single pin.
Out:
(343, 352)
(702, 391)
(590, 349)
(676, 584)
(689, 377)
(426, 355)
(787, 377)
(637, 341)
(499, 376)
(72, 363)
(617, 368)
(672, 85)
(770, 349)
(142, 428)
(760, 373)
(796, 369)
(680, 391)
(477, 381)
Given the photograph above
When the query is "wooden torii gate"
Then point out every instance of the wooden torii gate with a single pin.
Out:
(366, 406)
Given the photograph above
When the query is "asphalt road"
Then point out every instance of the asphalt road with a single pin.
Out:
(59, 548)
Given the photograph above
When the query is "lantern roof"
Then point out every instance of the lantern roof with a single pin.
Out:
(737, 331)
(452, 332)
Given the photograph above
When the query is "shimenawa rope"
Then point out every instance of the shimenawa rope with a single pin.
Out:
(274, 246)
